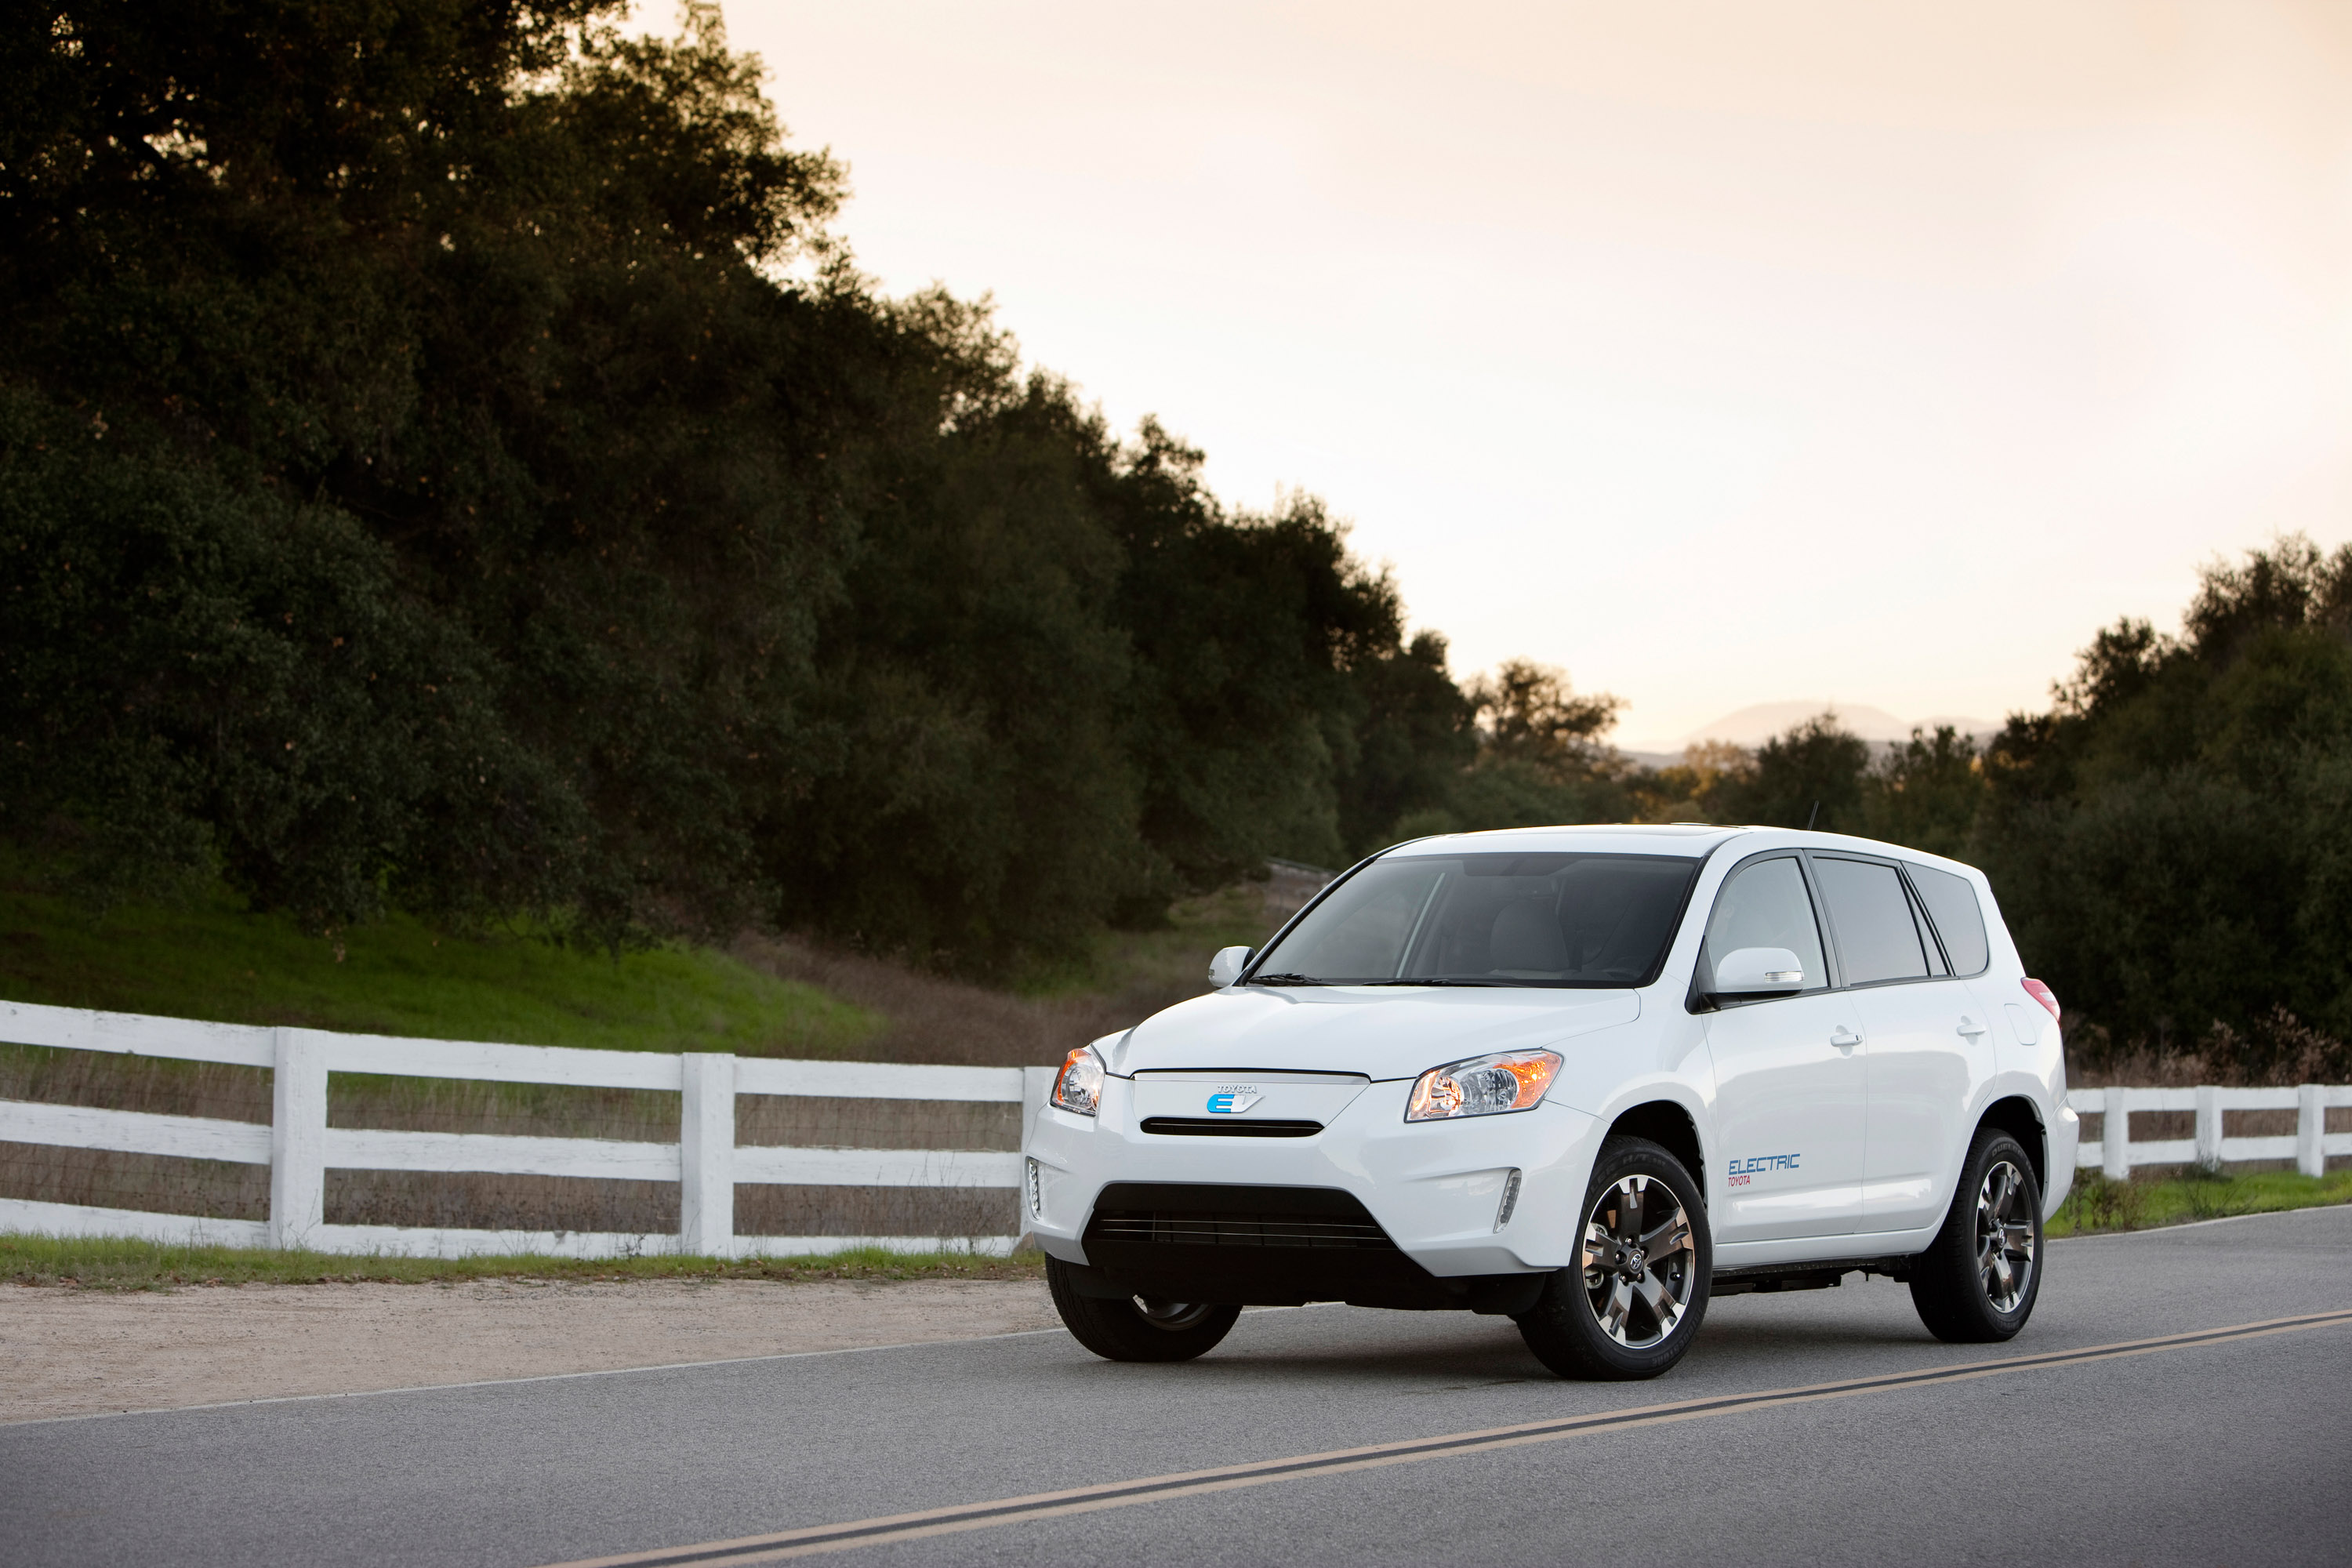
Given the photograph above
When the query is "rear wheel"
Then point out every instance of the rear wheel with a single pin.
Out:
(1634, 1305)
(1138, 1328)
(1977, 1284)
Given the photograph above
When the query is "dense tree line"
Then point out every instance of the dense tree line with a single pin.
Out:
(449, 462)
(2173, 832)
(446, 462)
(2168, 839)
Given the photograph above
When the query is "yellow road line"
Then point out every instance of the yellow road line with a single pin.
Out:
(815, 1539)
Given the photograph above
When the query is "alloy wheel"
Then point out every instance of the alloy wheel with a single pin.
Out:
(1172, 1316)
(1638, 1261)
(2004, 1238)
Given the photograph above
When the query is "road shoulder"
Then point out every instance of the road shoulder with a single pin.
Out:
(67, 1353)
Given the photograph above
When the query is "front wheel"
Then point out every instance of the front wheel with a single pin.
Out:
(1976, 1283)
(1633, 1306)
(1138, 1328)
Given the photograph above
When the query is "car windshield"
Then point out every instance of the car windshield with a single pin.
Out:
(1489, 920)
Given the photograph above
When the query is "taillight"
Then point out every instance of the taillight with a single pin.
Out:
(2041, 994)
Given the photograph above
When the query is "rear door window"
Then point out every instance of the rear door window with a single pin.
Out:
(1952, 906)
(1877, 938)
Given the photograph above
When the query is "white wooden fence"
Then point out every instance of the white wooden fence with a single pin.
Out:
(299, 1146)
(2308, 1145)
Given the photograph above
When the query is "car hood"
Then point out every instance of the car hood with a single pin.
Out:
(1379, 1031)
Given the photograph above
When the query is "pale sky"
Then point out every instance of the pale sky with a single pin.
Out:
(1723, 352)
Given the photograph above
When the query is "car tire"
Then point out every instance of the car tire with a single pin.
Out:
(1132, 1328)
(1976, 1284)
(1628, 1310)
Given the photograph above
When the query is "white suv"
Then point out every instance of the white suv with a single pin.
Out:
(1583, 1076)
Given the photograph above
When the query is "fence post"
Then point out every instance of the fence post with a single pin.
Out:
(2208, 1126)
(2114, 1139)
(705, 1155)
(2311, 1129)
(297, 1138)
(1036, 1084)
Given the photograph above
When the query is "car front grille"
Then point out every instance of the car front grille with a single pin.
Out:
(1228, 1127)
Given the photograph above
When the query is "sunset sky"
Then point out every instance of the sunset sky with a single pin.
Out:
(1725, 353)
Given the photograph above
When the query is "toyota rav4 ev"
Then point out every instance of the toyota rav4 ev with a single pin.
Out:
(1584, 1077)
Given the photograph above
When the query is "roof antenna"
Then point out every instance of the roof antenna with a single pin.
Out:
(1813, 816)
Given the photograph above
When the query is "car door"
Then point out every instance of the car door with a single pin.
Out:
(1956, 920)
(1930, 1046)
(1789, 1087)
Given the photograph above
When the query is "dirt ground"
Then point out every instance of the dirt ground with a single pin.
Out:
(65, 1352)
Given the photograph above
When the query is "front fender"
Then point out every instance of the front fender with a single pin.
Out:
(1658, 1060)
(1611, 1071)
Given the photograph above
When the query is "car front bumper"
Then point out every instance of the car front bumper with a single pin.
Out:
(2065, 1148)
(1434, 1187)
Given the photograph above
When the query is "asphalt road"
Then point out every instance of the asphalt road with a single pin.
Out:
(2225, 1450)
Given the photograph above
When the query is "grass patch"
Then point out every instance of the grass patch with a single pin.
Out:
(111, 1263)
(2094, 1207)
(1173, 957)
(212, 957)
(2097, 1205)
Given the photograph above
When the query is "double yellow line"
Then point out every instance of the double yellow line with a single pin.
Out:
(821, 1538)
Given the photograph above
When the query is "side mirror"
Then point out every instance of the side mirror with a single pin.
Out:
(1753, 971)
(1227, 966)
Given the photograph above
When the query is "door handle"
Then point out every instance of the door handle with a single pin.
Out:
(1970, 1028)
(1843, 1039)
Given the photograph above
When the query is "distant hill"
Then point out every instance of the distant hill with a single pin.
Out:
(1754, 726)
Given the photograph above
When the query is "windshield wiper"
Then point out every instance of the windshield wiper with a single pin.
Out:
(1444, 981)
(1285, 980)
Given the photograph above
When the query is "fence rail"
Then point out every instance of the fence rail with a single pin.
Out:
(299, 1148)
(2309, 1145)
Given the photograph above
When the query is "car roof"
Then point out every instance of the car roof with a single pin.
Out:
(1694, 840)
(1690, 839)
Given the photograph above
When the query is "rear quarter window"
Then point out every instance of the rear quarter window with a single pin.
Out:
(1958, 919)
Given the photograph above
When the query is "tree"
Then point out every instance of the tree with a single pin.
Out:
(1528, 712)
(2169, 836)
(1696, 789)
(1926, 793)
(1416, 736)
(974, 799)
(1812, 776)
(1539, 757)
(475, 398)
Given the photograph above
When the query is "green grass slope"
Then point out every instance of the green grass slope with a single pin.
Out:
(111, 1264)
(2096, 1204)
(212, 959)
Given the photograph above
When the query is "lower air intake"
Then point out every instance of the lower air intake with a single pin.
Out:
(1160, 1214)
(1173, 1241)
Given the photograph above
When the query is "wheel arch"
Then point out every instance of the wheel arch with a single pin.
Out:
(1670, 1125)
(2021, 1120)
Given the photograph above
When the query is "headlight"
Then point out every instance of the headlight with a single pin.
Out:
(1078, 1086)
(1484, 1086)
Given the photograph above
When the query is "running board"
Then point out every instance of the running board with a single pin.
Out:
(1769, 1277)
